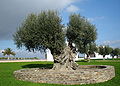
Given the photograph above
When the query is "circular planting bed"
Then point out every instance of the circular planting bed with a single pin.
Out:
(85, 74)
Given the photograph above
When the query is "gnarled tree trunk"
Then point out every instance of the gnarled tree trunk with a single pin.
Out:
(66, 60)
(88, 58)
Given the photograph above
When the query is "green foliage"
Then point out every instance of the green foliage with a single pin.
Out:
(115, 52)
(35, 57)
(92, 48)
(42, 31)
(81, 32)
(3, 58)
(8, 52)
(105, 50)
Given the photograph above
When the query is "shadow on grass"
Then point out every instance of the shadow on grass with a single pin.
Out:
(41, 66)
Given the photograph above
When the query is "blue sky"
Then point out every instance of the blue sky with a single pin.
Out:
(104, 14)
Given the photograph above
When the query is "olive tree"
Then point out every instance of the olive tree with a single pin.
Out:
(82, 33)
(44, 31)
(104, 50)
(115, 52)
(92, 49)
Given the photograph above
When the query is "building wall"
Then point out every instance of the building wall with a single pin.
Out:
(97, 56)
(49, 55)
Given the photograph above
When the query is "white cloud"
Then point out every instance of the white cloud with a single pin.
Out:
(114, 43)
(111, 42)
(96, 18)
(43, 4)
(72, 8)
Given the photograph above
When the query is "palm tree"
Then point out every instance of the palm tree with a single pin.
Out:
(8, 52)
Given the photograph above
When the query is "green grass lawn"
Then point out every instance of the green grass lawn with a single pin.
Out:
(7, 69)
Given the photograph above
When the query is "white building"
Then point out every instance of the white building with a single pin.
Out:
(97, 56)
(49, 56)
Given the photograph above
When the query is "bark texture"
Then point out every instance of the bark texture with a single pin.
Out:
(66, 60)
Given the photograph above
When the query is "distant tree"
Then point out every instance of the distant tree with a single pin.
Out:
(8, 52)
(115, 52)
(35, 57)
(92, 49)
(82, 33)
(119, 53)
(105, 50)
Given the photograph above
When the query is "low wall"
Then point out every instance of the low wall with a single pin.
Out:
(83, 75)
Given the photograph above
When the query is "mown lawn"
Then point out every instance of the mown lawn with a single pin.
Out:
(7, 69)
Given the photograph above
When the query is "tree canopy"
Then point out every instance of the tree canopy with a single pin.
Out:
(92, 48)
(81, 32)
(115, 52)
(42, 31)
(8, 52)
(105, 50)
(45, 30)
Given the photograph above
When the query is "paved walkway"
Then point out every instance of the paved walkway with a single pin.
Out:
(3, 61)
